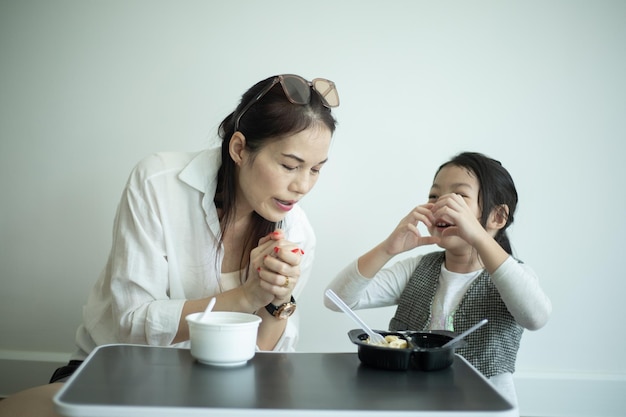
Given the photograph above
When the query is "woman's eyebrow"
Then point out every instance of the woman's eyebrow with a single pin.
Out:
(300, 160)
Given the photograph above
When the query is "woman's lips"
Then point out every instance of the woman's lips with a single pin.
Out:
(285, 205)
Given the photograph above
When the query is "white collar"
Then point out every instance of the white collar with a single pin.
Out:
(201, 174)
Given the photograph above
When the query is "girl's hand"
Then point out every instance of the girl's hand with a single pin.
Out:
(463, 220)
(406, 235)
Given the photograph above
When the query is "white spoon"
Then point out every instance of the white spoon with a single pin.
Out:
(465, 333)
(374, 337)
(208, 309)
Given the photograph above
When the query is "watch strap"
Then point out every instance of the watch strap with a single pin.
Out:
(272, 309)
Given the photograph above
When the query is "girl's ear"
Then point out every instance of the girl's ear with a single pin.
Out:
(499, 217)
(237, 147)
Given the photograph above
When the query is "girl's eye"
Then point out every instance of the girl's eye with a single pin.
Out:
(289, 168)
(432, 197)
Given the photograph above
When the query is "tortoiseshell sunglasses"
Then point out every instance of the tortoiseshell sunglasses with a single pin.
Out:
(298, 91)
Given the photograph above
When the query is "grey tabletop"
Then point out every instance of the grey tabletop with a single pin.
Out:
(133, 380)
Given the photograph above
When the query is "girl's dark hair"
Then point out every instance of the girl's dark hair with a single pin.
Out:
(496, 188)
(271, 118)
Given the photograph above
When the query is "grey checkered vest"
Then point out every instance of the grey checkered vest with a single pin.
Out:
(492, 349)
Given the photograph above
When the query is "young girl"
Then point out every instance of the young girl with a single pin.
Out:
(471, 204)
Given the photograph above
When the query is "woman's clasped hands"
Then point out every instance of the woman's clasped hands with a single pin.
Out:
(275, 263)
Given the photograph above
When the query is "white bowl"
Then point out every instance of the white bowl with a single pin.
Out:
(225, 338)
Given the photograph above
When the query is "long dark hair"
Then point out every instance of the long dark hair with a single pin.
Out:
(496, 188)
(269, 119)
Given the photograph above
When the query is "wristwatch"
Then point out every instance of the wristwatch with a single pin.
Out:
(283, 311)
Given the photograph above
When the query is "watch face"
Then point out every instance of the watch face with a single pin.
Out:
(286, 310)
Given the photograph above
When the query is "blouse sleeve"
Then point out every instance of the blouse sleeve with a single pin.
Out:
(519, 288)
(141, 304)
(382, 290)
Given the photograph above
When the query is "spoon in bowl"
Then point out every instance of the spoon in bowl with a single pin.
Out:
(208, 310)
(374, 337)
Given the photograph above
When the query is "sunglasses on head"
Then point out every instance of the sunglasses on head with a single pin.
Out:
(298, 91)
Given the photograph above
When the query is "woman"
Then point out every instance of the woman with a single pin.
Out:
(220, 223)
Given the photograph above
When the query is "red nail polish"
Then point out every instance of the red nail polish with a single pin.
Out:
(258, 269)
(296, 250)
(301, 252)
(276, 249)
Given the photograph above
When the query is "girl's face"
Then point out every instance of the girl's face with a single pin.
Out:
(273, 180)
(453, 179)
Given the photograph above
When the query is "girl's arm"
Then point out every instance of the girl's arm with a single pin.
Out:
(355, 284)
(491, 254)
(382, 290)
(519, 288)
(405, 236)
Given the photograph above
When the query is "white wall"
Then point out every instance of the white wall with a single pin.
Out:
(88, 88)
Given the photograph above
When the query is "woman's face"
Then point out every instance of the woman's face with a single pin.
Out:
(281, 173)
